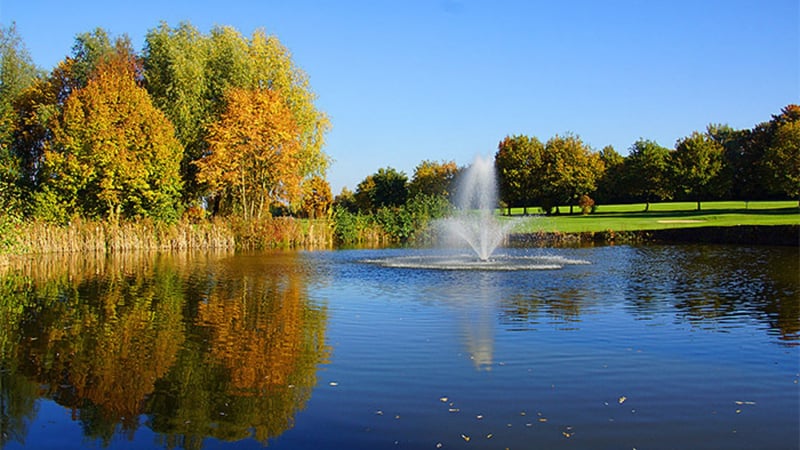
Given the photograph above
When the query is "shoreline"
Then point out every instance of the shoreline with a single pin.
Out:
(778, 235)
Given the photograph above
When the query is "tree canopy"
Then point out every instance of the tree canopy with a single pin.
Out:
(254, 154)
(189, 74)
(647, 169)
(113, 154)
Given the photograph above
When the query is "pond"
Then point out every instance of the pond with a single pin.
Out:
(628, 347)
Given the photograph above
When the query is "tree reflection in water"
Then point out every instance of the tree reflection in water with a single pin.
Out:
(202, 345)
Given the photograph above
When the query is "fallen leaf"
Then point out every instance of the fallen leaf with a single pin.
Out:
(465, 437)
(622, 399)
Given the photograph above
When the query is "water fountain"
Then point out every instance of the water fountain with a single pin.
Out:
(476, 226)
(474, 221)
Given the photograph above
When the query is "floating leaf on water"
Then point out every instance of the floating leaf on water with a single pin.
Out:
(543, 419)
(479, 416)
(567, 434)
(740, 402)
(465, 437)
(438, 445)
(489, 436)
(379, 413)
(523, 413)
(443, 399)
(454, 410)
(622, 399)
(333, 383)
(397, 416)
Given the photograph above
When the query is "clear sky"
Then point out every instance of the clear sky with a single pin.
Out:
(406, 81)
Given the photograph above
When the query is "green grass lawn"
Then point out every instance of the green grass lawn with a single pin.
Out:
(631, 217)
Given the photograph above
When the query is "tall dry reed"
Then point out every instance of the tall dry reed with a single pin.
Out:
(81, 236)
(84, 236)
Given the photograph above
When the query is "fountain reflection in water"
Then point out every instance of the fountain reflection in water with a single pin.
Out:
(474, 224)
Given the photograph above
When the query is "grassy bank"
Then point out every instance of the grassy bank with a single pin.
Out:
(661, 216)
(607, 223)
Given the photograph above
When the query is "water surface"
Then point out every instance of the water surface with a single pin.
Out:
(643, 347)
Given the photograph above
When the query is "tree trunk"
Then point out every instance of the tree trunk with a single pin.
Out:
(646, 206)
(698, 205)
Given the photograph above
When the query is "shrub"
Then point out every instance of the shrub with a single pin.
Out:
(586, 203)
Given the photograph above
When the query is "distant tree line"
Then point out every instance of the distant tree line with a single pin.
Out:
(195, 122)
(388, 207)
(719, 164)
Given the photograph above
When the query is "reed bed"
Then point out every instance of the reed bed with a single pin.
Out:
(102, 237)
(81, 236)
(283, 232)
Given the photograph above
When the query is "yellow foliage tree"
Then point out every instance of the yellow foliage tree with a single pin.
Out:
(254, 155)
(113, 154)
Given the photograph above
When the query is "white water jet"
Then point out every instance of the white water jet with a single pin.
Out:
(476, 225)
(474, 222)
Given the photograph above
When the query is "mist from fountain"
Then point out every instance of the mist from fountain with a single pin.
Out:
(474, 221)
(475, 224)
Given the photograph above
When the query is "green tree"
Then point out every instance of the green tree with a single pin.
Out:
(647, 169)
(17, 74)
(113, 154)
(697, 165)
(572, 169)
(175, 65)
(519, 166)
(365, 192)
(346, 200)
(391, 188)
(611, 188)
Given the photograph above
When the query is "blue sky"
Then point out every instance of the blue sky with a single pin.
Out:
(406, 81)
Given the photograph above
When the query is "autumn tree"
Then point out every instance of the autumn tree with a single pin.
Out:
(519, 167)
(433, 178)
(782, 160)
(113, 154)
(39, 107)
(189, 75)
(317, 197)
(647, 169)
(254, 154)
(572, 169)
(696, 164)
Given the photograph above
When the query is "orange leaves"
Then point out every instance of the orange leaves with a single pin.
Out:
(255, 153)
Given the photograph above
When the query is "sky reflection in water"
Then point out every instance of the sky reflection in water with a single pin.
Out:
(646, 347)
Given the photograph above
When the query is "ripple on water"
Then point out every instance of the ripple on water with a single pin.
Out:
(468, 262)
